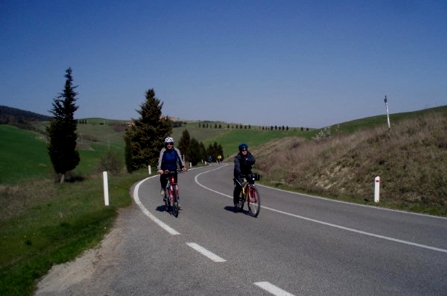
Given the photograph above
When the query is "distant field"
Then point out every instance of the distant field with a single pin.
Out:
(23, 155)
(230, 138)
(99, 135)
(364, 123)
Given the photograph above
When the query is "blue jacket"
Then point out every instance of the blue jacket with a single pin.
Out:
(169, 158)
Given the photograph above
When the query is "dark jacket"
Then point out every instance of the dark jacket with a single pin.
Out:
(243, 164)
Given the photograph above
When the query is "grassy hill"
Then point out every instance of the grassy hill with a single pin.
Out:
(411, 160)
(23, 155)
(46, 223)
(230, 138)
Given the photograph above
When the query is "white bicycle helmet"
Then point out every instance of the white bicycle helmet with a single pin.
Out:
(169, 140)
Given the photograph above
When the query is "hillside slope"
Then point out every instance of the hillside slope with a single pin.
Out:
(411, 160)
(9, 114)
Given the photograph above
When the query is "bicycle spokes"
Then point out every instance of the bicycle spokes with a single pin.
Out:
(254, 202)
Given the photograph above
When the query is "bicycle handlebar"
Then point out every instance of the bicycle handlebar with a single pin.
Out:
(167, 172)
(251, 178)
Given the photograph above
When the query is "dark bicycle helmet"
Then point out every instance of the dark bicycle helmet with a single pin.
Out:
(243, 147)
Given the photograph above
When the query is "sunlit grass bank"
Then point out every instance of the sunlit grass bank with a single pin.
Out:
(45, 223)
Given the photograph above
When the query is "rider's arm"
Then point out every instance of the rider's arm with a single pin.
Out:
(180, 159)
(250, 159)
(237, 165)
(160, 160)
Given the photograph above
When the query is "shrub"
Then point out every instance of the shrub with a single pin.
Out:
(111, 162)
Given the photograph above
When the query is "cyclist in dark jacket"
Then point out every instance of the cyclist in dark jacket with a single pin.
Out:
(242, 166)
(167, 161)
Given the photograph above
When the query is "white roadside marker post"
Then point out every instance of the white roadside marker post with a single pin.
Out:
(377, 189)
(106, 188)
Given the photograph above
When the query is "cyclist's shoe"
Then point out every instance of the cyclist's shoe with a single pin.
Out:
(235, 208)
(162, 192)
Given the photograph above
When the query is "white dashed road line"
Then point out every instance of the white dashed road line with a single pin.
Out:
(263, 285)
(206, 253)
(272, 289)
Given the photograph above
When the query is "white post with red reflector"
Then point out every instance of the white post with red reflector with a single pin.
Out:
(377, 189)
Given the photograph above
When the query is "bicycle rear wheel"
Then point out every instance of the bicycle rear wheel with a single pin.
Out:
(254, 201)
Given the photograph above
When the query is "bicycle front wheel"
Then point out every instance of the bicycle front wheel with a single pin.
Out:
(175, 207)
(254, 201)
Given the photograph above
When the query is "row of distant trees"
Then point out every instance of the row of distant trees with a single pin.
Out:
(240, 126)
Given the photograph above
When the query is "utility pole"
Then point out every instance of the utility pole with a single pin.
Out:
(387, 114)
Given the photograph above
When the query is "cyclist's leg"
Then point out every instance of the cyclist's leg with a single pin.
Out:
(163, 182)
(236, 193)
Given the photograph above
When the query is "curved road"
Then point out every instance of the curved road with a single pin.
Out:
(298, 245)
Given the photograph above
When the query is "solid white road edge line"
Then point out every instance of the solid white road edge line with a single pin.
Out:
(206, 253)
(329, 224)
(149, 214)
(272, 289)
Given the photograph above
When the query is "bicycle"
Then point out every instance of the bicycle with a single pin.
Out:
(171, 194)
(249, 194)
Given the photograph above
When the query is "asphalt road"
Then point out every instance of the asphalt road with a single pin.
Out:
(298, 245)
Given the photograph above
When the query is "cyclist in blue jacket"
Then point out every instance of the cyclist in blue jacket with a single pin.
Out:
(168, 160)
(242, 166)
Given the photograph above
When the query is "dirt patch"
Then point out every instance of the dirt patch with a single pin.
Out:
(91, 273)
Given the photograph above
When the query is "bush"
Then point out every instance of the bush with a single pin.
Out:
(111, 162)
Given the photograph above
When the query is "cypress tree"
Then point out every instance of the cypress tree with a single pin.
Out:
(146, 134)
(184, 145)
(62, 130)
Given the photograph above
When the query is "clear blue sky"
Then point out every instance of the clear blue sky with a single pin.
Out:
(293, 63)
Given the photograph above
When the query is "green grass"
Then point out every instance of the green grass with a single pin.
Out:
(52, 224)
(23, 155)
(230, 139)
(100, 134)
(350, 127)
(252, 137)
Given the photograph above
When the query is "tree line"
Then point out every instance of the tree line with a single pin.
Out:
(196, 152)
(241, 126)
